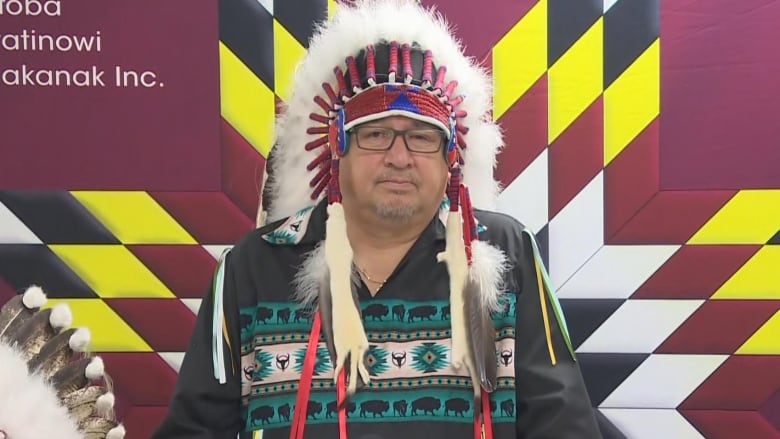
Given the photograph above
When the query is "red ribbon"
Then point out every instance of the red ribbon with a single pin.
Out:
(304, 388)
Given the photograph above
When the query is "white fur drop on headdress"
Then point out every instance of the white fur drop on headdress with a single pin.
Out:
(352, 28)
(34, 297)
(95, 369)
(117, 432)
(79, 341)
(488, 265)
(60, 317)
(105, 404)
(26, 400)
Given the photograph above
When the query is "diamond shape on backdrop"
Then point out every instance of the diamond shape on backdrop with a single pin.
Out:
(165, 324)
(528, 138)
(141, 421)
(185, 269)
(775, 239)
(603, 373)
(695, 271)
(13, 230)
(663, 381)
(584, 316)
(771, 410)
(242, 170)
(713, 328)
(246, 27)
(543, 239)
(651, 423)
(640, 325)
(629, 28)
(174, 359)
(299, 17)
(56, 217)
(568, 21)
(22, 265)
(743, 382)
(482, 26)
(729, 424)
(576, 156)
(210, 217)
(153, 387)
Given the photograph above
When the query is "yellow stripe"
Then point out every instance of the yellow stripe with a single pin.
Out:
(111, 271)
(766, 341)
(750, 217)
(576, 80)
(757, 279)
(247, 104)
(134, 217)
(258, 434)
(519, 58)
(288, 52)
(332, 8)
(543, 302)
(109, 332)
(632, 101)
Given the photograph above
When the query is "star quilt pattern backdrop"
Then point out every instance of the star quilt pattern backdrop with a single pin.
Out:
(640, 150)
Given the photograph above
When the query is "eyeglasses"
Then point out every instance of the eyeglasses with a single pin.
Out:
(374, 138)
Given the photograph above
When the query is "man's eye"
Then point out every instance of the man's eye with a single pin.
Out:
(375, 133)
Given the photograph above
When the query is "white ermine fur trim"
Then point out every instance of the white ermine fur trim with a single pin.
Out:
(353, 27)
(310, 275)
(60, 316)
(488, 266)
(349, 337)
(105, 404)
(34, 297)
(117, 432)
(29, 408)
(454, 255)
(95, 369)
(80, 339)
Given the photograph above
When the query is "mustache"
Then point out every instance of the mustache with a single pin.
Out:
(398, 176)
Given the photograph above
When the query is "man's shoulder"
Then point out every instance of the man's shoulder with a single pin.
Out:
(499, 223)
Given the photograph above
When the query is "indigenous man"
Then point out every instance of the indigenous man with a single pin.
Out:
(378, 299)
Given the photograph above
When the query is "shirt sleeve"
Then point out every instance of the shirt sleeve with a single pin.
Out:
(552, 401)
(201, 407)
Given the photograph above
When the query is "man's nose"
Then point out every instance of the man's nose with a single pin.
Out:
(398, 155)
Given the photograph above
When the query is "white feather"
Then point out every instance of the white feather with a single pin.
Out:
(29, 408)
(34, 297)
(488, 265)
(95, 369)
(79, 340)
(454, 255)
(310, 275)
(61, 317)
(352, 28)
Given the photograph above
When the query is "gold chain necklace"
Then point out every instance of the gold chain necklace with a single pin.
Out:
(368, 278)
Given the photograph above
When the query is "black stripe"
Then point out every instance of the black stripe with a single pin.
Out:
(775, 239)
(299, 17)
(247, 28)
(22, 265)
(56, 217)
(629, 29)
(567, 20)
(584, 316)
(603, 373)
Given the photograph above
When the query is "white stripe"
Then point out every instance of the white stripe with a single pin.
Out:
(608, 4)
(651, 423)
(526, 197)
(663, 381)
(616, 271)
(577, 232)
(13, 230)
(639, 326)
(268, 5)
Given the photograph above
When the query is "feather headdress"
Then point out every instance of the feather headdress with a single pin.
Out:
(49, 386)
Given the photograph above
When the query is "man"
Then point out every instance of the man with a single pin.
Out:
(377, 301)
